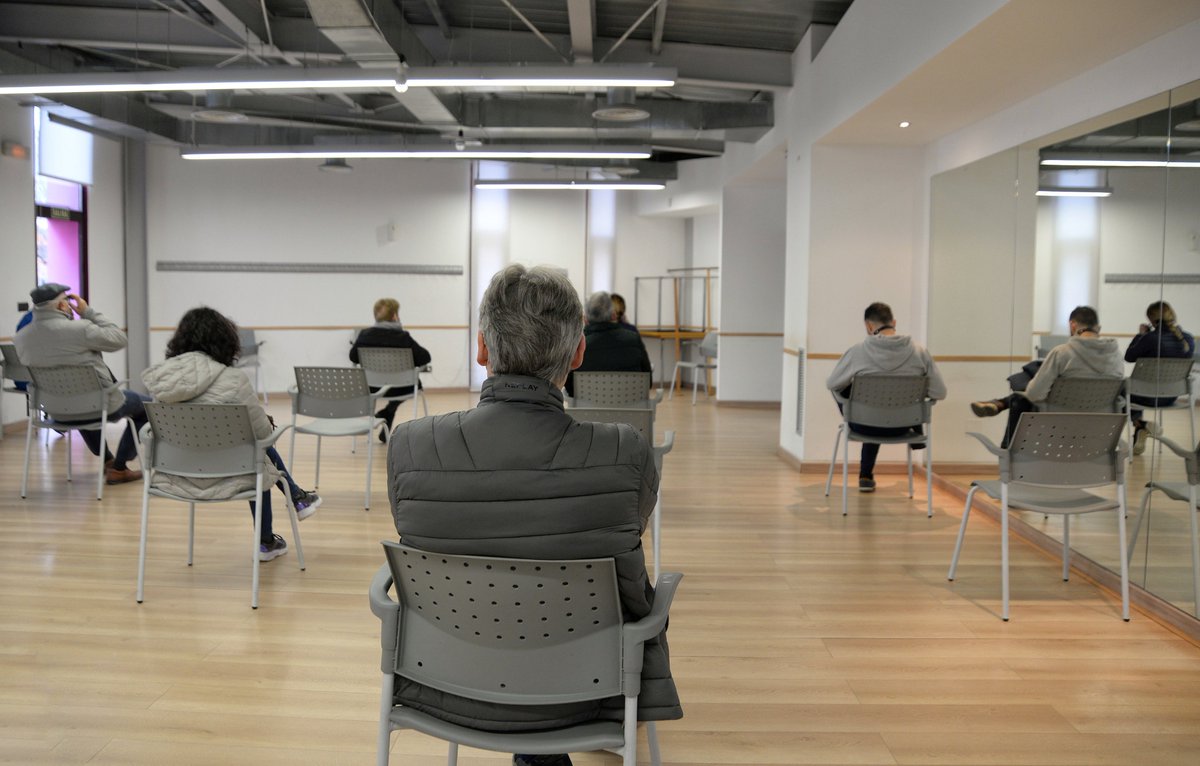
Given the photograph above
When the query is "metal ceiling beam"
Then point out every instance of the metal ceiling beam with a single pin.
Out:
(711, 65)
(629, 31)
(533, 28)
(582, 15)
(245, 28)
(660, 21)
(575, 113)
(37, 22)
(436, 9)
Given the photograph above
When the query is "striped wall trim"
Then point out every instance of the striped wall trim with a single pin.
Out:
(750, 334)
(265, 267)
(937, 358)
(1152, 279)
(347, 327)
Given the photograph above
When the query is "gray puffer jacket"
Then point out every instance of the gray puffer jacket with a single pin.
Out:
(518, 477)
(197, 378)
(52, 339)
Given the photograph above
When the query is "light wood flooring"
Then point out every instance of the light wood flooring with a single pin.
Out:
(798, 636)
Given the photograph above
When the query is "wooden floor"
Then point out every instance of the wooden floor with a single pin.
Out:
(798, 636)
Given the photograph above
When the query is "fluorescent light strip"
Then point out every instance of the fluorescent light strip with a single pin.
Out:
(440, 154)
(274, 78)
(1074, 193)
(546, 185)
(1083, 163)
(338, 78)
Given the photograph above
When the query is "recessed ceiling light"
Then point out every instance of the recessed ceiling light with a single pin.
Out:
(905, 123)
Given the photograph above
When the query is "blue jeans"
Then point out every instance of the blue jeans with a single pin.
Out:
(134, 407)
(290, 487)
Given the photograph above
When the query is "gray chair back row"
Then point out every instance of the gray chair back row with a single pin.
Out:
(388, 366)
(1161, 377)
(611, 389)
(332, 392)
(888, 401)
(69, 392)
(1066, 449)
(13, 368)
(202, 440)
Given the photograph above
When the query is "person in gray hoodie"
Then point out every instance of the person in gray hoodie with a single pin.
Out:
(884, 351)
(1084, 355)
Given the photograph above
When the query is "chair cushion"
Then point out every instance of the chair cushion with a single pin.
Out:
(1048, 499)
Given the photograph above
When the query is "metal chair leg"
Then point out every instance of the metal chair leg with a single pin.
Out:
(845, 473)
(1195, 549)
(142, 538)
(1004, 551)
(1066, 548)
(962, 531)
(837, 442)
(908, 455)
(257, 538)
(383, 744)
(1125, 561)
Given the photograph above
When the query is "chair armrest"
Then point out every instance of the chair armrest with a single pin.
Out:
(657, 397)
(667, 443)
(988, 443)
(388, 612)
(634, 634)
(1186, 454)
(274, 437)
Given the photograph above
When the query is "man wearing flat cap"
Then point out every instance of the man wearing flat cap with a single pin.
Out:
(53, 340)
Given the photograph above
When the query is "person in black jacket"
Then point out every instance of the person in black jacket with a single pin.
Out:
(611, 347)
(1160, 337)
(387, 332)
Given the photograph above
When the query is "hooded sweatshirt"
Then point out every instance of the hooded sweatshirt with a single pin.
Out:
(197, 378)
(884, 354)
(1079, 357)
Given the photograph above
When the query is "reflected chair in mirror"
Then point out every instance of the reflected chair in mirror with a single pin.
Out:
(69, 398)
(643, 422)
(392, 368)
(1053, 461)
(248, 358)
(341, 404)
(885, 401)
(1085, 395)
(707, 351)
(1165, 378)
(206, 441)
(1183, 492)
(12, 371)
(555, 634)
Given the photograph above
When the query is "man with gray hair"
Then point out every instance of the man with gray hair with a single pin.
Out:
(611, 346)
(518, 477)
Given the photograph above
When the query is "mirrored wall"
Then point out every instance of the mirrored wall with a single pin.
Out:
(1105, 214)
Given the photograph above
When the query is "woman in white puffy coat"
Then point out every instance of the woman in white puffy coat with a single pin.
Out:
(199, 369)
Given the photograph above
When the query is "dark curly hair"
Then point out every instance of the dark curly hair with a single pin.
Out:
(209, 331)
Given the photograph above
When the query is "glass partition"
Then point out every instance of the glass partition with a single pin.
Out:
(1105, 214)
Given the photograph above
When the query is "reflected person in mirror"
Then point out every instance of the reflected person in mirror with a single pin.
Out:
(1084, 355)
(1159, 337)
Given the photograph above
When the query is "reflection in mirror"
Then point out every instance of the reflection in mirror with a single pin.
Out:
(1114, 224)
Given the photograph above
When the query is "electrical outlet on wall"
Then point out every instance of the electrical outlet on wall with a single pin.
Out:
(22, 306)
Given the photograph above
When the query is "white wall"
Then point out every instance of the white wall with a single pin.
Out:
(753, 226)
(106, 242)
(17, 269)
(385, 212)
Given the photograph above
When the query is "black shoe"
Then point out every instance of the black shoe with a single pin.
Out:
(541, 760)
(866, 484)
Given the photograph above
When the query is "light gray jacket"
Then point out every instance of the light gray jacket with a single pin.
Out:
(519, 477)
(197, 378)
(52, 339)
(896, 354)
(1079, 357)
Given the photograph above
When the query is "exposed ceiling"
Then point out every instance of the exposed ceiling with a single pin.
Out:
(731, 57)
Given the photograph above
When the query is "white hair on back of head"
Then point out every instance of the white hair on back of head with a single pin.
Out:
(531, 321)
(599, 307)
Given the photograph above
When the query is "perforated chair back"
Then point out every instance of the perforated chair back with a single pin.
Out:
(888, 401)
(708, 346)
(1060, 449)
(13, 368)
(69, 392)
(611, 389)
(1160, 377)
(1085, 395)
(509, 631)
(332, 392)
(640, 419)
(202, 440)
(388, 366)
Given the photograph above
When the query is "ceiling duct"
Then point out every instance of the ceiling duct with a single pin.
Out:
(217, 108)
(334, 165)
(619, 106)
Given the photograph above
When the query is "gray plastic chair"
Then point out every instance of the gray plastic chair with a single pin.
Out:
(1085, 395)
(1052, 460)
(613, 389)
(69, 392)
(392, 367)
(341, 402)
(206, 441)
(1047, 342)
(885, 401)
(248, 358)
(1183, 492)
(1163, 377)
(707, 350)
(514, 632)
(643, 421)
(12, 371)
